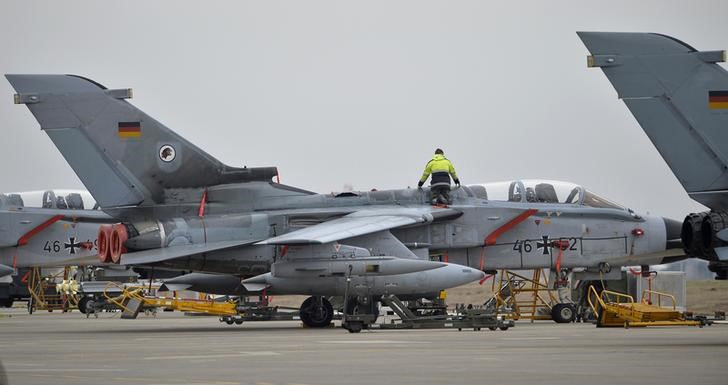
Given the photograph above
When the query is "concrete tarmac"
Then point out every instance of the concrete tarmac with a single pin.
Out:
(176, 349)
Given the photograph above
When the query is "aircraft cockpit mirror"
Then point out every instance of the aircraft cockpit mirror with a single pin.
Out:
(515, 192)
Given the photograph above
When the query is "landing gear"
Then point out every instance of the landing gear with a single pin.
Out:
(563, 313)
(316, 312)
(83, 305)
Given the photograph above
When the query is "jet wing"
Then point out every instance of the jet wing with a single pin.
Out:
(361, 223)
(166, 253)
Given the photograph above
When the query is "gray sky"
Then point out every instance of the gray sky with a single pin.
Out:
(337, 92)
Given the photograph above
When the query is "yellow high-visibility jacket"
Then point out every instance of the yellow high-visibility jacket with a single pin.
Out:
(441, 169)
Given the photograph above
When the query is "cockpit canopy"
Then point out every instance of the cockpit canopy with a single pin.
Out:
(542, 191)
(50, 199)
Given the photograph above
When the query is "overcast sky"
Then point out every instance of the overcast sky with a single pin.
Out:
(339, 93)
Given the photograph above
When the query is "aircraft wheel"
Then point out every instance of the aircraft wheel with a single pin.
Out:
(238, 322)
(492, 328)
(83, 305)
(316, 312)
(563, 313)
(229, 321)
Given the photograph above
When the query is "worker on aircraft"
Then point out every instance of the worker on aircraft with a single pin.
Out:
(441, 169)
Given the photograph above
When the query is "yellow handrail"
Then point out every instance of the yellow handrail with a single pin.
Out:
(604, 297)
(607, 293)
(659, 298)
(598, 298)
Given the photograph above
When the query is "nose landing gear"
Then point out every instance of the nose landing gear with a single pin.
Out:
(316, 312)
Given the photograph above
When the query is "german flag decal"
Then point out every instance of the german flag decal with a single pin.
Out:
(130, 129)
(718, 100)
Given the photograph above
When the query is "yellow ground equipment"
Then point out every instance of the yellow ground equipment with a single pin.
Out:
(133, 299)
(617, 309)
(43, 292)
(527, 297)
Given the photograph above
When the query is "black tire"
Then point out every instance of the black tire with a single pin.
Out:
(83, 304)
(563, 313)
(229, 321)
(238, 322)
(6, 302)
(315, 314)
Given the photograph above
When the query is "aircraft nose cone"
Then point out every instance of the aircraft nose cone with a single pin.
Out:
(454, 275)
(673, 229)
(481, 275)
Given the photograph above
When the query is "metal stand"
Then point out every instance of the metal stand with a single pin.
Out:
(43, 292)
(476, 318)
(526, 297)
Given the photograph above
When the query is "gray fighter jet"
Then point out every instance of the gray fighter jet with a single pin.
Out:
(44, 229)
(180, 208)
(679, 96)
(59, 231)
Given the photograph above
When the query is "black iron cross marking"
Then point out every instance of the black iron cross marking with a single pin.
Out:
(72, 244)
(545, 245)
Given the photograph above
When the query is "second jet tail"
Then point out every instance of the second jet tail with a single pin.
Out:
(122, 155)
(680, 98)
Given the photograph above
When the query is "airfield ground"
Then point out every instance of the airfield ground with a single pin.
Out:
(176, 349)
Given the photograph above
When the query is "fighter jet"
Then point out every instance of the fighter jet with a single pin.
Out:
(180, 208)
(54, 231)
(679, 96)
(48, 229)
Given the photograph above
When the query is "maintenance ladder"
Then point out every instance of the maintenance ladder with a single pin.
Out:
(43, 292)
(617, 309)
(526, 297)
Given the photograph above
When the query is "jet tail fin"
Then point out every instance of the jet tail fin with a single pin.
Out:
(680, 98)
(122, 155)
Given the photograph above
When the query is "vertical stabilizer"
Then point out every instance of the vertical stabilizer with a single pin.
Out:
(680, 98)
(122, 155)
